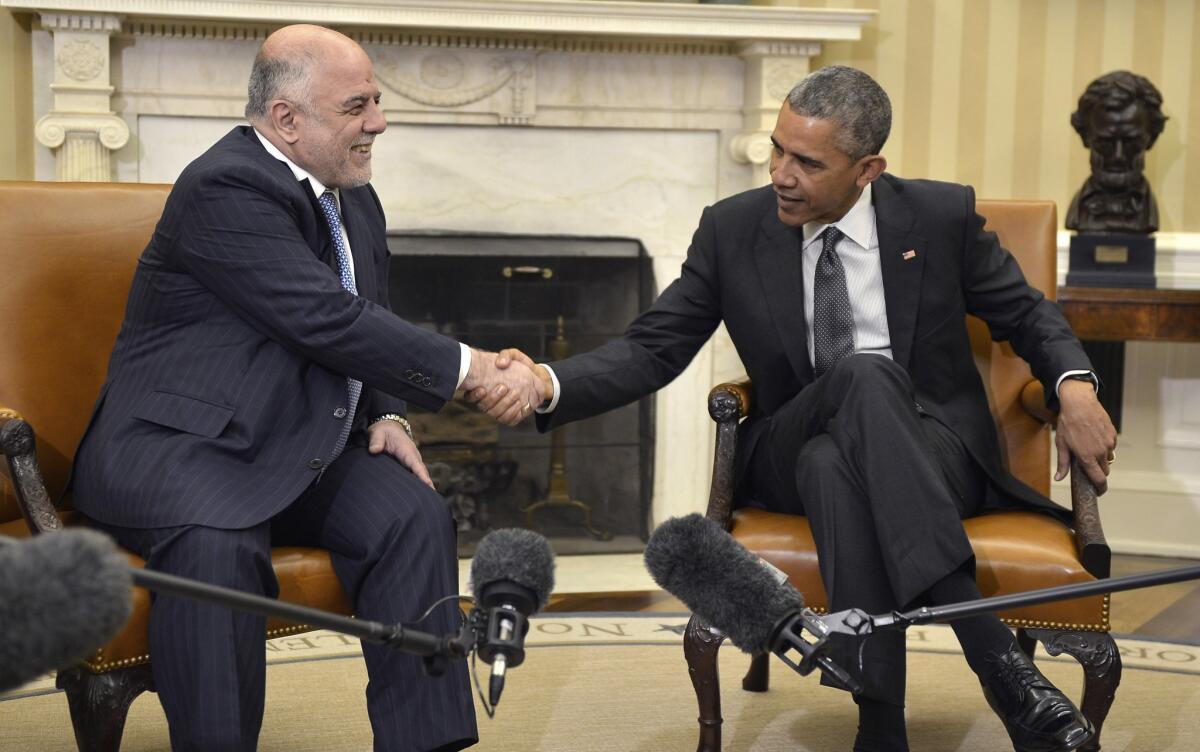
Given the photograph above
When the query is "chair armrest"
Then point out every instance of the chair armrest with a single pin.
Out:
(19, 449)
(1033, 399)
(1094, 552)
(728, 403)
(1093, 549)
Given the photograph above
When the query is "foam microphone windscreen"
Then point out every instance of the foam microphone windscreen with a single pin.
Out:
(514, 555)
(719, 580)
(62, 595)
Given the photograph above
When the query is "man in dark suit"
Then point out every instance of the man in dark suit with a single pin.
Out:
(256, 395)
(845, 291)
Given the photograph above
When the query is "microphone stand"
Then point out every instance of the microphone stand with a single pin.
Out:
(856, 623)
(435, 650)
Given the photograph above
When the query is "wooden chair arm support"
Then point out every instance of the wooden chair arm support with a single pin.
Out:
(740, 398)
(1094, 552)
(727, 404)
(19, 449)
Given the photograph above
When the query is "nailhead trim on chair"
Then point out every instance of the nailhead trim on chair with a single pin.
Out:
(97, 664)
(1103, 626)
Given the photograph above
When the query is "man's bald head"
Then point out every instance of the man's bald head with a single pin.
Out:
(284, 65)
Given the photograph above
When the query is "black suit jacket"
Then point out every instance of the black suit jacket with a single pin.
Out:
(222, 398)
(743, 268)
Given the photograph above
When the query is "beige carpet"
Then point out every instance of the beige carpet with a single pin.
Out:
(619, 682)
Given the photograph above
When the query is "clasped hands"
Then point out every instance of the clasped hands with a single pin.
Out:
(508, 385)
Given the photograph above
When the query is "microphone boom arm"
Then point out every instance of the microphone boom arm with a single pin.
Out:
(396, 636)
(857, 623)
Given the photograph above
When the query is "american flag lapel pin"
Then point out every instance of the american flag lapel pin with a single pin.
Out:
(908, 255)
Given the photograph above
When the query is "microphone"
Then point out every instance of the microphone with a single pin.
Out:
(749, 600)
(512, 574)
(62, 595)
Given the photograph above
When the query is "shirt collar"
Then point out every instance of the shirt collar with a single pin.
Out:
(858, 224)
(300, 173)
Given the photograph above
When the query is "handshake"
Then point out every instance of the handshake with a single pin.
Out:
(508, 385)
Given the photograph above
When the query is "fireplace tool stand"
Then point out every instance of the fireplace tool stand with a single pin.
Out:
(558, 493)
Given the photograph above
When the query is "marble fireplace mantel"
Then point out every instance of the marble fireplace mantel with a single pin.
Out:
(604, 18)
(556, 117)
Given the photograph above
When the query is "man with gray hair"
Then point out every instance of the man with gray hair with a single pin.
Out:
(845, 289)
(256, 396)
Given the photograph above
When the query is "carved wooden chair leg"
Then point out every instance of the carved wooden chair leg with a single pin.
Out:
(1026, 642)
(100, 702)
(758, 676)
(700, 645)
(1101, 661)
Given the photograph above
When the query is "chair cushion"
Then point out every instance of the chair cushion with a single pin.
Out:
(1014, 552)
(305, 577)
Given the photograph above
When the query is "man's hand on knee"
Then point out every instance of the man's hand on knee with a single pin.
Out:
(390, 437)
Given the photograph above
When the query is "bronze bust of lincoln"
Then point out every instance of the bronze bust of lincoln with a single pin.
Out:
(1119, 118)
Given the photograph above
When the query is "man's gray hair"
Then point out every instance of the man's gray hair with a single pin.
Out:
(857, 105)
(274, 77)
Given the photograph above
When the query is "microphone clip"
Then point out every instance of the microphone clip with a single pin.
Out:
(501, 631)
(790, 636)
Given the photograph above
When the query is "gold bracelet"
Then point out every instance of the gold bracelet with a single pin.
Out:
(397, 419)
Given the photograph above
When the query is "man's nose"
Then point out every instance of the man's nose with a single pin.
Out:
(376, 122)
(782, 175)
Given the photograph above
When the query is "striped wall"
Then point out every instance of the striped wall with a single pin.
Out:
(984, 89)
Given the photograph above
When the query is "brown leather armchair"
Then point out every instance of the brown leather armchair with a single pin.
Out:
(66, 264)
(1015, 551)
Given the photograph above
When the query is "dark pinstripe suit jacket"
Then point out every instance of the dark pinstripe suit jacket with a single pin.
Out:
(222, 398)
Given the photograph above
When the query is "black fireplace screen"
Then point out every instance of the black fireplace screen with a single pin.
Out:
(585, 486)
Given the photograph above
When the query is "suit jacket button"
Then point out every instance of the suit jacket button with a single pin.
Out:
(315, 464)
(339, 413)
(409, 374)
(426, 381)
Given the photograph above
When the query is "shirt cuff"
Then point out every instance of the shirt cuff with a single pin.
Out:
(1095, 380)
(557, 391)
(464, 365)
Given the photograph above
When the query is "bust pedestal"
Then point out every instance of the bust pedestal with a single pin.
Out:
(1111, 259)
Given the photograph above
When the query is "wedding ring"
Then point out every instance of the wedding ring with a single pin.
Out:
(527, 408)
(1112, 457)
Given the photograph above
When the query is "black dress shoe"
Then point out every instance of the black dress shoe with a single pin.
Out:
(1039, 717)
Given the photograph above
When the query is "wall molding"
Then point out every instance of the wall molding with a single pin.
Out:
(573, 17)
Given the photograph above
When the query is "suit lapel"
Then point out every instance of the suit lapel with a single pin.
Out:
(902, 254)
(324, 238)
(354, 219)
(777, 257)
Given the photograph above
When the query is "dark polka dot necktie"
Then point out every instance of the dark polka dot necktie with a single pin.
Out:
(353, 387)
(833, 321)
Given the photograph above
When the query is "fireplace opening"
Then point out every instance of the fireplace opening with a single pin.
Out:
(586, 486)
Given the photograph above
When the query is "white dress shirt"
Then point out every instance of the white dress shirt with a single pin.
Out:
(858, 250)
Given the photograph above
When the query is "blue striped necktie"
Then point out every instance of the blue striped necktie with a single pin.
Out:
(353, 386)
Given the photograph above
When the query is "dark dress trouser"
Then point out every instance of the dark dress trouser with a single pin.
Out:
(392, 542)
(884, 486)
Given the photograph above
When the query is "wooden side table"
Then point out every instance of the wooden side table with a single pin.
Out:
(1106, 314)
(1106, 318)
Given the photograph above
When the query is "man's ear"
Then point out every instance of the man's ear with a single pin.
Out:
(284, 117)
(870, 168)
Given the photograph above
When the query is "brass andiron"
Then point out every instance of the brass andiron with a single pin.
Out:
(558, 493)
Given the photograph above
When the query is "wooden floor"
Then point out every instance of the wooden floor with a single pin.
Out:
(1166, 612)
